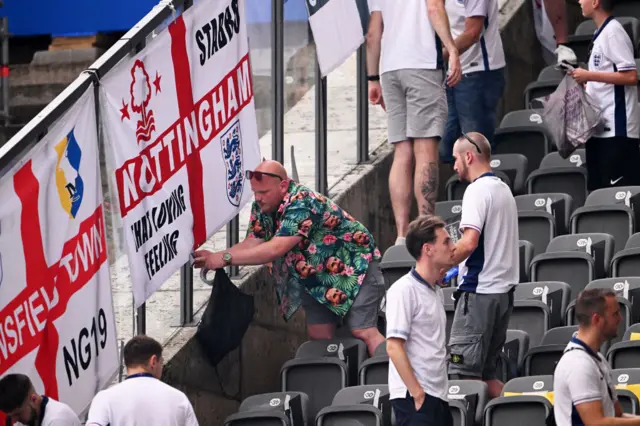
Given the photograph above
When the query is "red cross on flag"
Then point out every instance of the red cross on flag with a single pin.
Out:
(180, 127)
(56, 311)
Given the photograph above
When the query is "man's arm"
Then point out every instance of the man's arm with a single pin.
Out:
(374, 43)
(592, 414)
(398, 355)
(472, 31)
(465, 245)
(440, 23)
(557, 14)
(619, 78)
(267, 252)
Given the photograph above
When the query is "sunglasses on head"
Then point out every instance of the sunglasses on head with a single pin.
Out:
(252, 174)
(472, 142)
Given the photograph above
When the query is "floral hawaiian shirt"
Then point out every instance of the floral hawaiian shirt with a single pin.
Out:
(331, 261)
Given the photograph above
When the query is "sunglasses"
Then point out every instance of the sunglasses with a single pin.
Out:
(472, 142)
(252, 174)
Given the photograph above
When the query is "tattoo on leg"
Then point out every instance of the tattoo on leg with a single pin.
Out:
(429, 187)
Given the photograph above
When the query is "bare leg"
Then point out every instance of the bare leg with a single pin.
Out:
(426, 175)
(494, 386)
(557, 14)
(321, 331)
(400, 185)
(370, 336)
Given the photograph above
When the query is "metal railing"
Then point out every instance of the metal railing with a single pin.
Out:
(134, 41)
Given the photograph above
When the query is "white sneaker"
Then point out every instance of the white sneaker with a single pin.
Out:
(566, 54)
(400, 241)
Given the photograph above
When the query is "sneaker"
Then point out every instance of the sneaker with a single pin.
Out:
(400, 241)
(566, 54)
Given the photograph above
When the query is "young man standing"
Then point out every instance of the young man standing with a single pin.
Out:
(488, 255)
(406, 73)
(142, 399)
(583, 387)
(416, 330)
(23, 406)
(613, 154)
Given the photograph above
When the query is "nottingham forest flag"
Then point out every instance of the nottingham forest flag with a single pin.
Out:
(338, 27)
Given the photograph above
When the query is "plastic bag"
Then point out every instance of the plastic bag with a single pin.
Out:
(225, 320)
(570, 115)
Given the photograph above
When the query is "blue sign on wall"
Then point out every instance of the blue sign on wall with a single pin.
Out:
(83, 17)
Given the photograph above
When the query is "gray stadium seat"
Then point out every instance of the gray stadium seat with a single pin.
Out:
(527, 406)
(558, 205)
(567, 180)
(526, 255)
(555, 294)
(576, 259)
(449, 308)
(523, 132)
(627, 379)
(626, 353)
(455, 187)
(628, 401)
(358, 405)
(515, 347)
(381, 349)
(459, 413)
(473, 393)
(515, 166)
(578, 158)
(539, 89)
(537, 227)
(627, 8)
(626, 263)
(396, 263)
(581, 40)
(611, 211)
(351, 351)
(272, 409)
(542, 360)
(450, 212)
(319, 378)
(532, 316)
(374, 371)
(625, 287)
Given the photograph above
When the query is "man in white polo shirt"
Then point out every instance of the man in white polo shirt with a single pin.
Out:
(141, 399)
(473, 101)
(488, 256)
(583, 387)
(23, 406)
(406, 73)
(416, 330)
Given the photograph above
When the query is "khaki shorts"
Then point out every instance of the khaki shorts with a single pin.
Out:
(364, 311)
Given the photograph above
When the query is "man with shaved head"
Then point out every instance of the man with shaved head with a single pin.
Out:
(488, 256)
(321, 258)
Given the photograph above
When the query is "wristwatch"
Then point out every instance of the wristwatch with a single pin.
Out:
(373, 78)
(227, 258)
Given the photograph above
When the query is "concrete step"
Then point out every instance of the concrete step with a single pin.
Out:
(28, 74)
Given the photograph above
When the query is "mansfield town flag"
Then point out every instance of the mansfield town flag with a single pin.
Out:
(338, 27)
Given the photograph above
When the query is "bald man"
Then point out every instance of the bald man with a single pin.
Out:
(488, 258)
(321, 258)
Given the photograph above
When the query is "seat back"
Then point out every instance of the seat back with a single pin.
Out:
(632, 332)
(530, 141)
(627, 378)
(529, 410)
(628, 401)
(539, 89)
(375, 371)
(531, 316)
(475, 394)
(294, 405)
(578, 158)
(626, 263)
(515, 347)
(376, 395)
(515, 166)
(633, 241)
(559, 335)
(351, 351)
(627, 288)
(450, 212)
(396, 263)
(455, 187)
(554, 294)
(623, 195)
(449, 307)
(557, 204)
(599, 245)
(625, 354)
(627, 8)
(526, 251)
(568, 180)
(529, 385)
(539, 228)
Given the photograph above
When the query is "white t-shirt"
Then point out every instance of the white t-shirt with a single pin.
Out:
(56, 414)
(582, 376)
(139, 401)
(612, 51)
(494, 266)
(408, 39)
(487, 54)
(415, 313)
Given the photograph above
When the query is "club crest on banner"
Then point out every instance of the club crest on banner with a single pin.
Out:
(141, 93)
(231, 145)
(68, 180)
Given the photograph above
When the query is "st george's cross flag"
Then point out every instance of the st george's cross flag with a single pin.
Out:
(339, 28)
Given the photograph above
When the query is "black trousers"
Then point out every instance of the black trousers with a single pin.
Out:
(434, 412)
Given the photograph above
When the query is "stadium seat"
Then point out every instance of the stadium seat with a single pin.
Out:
(627, 379)
(449, 307)
(396, 263)
(537, 227)
(558, 205)
(542, 360)
(455, 187)
(374, 371)
(578, 158)
(272, 409)
(628, 401)
(555, 294)
(460, 413)
(581, 40)
(526, 255)
(515, 166)
(515, 347)
(576, 259)
(362, 405)
(626, 263)
(567, 180)
(532, 316)
(474, 394)
(351, 351)
(626, 353)
(523, 132)
(627, 8)
(539, 89)
(525, 399)
(611, 211)
(625, 287)
(450, 212)
(381, 349)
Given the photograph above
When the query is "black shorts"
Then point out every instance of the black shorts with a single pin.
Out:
(612, 162)
(434, 412)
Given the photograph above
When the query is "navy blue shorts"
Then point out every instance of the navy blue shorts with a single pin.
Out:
(434, 412)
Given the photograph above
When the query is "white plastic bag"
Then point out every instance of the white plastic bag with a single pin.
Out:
(570, 115)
